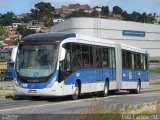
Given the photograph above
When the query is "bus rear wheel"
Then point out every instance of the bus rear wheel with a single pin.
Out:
(76, 92)
(137, 90)
(105, 92)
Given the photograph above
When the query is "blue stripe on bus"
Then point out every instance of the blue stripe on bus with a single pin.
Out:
(91, 75)
(135, 75)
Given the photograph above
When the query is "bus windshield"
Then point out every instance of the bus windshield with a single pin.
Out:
(36, 60)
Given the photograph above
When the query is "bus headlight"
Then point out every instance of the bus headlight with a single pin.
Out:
(52, 82)
(16, 83)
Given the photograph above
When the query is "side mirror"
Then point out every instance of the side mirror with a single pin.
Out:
(63, 53)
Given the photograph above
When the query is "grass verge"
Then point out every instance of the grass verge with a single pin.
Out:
(156, 71)
(154, 82)
(7, 91)
(120, 112)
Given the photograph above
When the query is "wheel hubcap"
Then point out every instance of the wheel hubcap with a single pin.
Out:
(105, 89)
(76, 91)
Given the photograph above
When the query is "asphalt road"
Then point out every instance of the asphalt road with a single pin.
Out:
(63, 105)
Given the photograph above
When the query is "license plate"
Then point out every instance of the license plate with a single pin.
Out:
(32, 91)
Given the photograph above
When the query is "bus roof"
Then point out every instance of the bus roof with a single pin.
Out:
(132, 48)
(60, 36)
(48, 37)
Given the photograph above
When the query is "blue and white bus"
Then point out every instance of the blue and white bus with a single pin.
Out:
(61, 64)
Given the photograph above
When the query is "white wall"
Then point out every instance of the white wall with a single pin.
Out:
(112, 29)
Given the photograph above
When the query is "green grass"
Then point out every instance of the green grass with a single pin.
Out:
(156, 71)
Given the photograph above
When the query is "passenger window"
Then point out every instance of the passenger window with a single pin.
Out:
(91, 56)
(146, 62)
(76, 57)
(113, 58)
(139, 62)
(127, 59)
(85, 55)
(106, 58)
(99, 57)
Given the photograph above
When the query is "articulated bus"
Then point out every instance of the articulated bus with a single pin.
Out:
(62, 64)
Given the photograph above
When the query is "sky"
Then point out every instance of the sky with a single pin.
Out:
(24, 6)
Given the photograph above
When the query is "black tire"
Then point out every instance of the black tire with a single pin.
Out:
(137, 90)
(111, 92)
(76, 92)
(18, 97)
(105, 92)
(36, 98)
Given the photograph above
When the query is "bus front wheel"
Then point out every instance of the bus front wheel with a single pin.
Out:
(76, 92)
(18, 97)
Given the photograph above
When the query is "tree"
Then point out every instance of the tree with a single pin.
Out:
(3, 33)
(143, 17)
(135, 16)
(7, 19)
(105, 11)
(43, 11)
(117, 10)
(80, 13)
(24, 31)
(43, 7)
(150, 18)
(26, 19)
(126, 16)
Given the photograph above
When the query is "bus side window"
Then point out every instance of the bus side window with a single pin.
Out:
(135, 61)
(106, 57)
(113, 58)
(124, 59)
(127, 59)
(85, 56)
(139, 62)
(146, 62)
(142, 62)
(76, 57)
(91, 56)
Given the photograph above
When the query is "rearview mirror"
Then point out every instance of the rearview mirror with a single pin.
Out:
(63, 53)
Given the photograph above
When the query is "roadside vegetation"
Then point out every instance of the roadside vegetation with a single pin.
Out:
(156, 71)
(120, 112)
(7, 91)
(155, 82)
